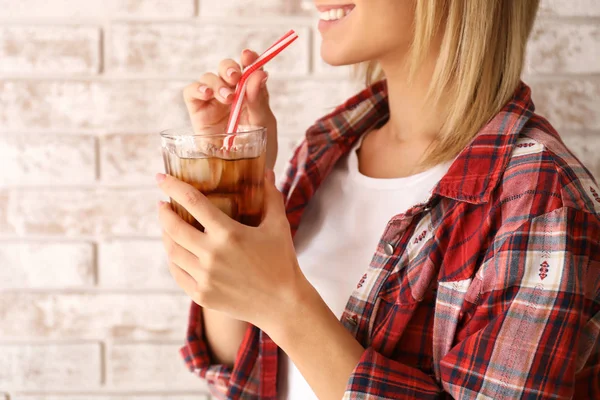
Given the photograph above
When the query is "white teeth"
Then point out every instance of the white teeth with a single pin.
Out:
(334, 14)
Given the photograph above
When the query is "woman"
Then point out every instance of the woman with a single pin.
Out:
(451, 249)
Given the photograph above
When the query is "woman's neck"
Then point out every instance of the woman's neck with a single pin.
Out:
(411, 117)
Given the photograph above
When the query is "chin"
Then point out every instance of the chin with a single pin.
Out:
(336, 56)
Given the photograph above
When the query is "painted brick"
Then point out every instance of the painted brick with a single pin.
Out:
(287, 145)
(138, 106)
(134, 264)
(154, 366)
(71, 212)
(50, 9)
(6, 227)
(298, 103)
(47, 159)
(78, 316)
(148, 106)
(571, 104)
(49, 49)
(559, 47)
(133, 159)
(587, 148)
(583, 8)
(46, 265)
(114, 396)
(264, 8)
(50, 366)
(194, 49)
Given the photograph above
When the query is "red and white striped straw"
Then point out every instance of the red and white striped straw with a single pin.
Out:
(236, 107)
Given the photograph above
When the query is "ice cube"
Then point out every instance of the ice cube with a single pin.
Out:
(225, 202)
(203, 173)
(232, 175)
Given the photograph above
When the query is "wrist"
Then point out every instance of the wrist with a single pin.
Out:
(299, 308)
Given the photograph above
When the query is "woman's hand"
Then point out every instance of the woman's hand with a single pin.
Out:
(248, 273)
(209, 100)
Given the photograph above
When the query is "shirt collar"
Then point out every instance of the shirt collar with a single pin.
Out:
(474, 173)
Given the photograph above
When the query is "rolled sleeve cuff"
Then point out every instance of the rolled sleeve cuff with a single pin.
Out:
(197, 357)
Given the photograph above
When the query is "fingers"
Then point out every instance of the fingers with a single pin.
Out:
(196, 204)
(248, 57)
(274, 205)
(208, 87)
(183, 279)
(230, 72)
(178, 230)
(183, 258)
(197, 91)
(270, 176)
(256, 91)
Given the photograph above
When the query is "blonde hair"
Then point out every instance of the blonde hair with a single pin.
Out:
(479, 66)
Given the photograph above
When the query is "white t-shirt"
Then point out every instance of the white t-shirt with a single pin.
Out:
(338, 236)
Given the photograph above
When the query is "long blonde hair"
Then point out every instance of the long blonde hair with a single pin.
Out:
(479, 66)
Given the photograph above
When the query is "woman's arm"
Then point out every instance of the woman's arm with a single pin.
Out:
(223, 335)
(542, 343)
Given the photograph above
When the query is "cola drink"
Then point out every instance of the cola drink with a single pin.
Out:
(231, 178)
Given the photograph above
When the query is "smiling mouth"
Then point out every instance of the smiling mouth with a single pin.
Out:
(334, 13)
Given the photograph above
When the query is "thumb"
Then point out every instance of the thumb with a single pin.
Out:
(257, 96)
(274, 205)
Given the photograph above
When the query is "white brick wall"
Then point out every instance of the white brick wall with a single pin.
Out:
(88, 310)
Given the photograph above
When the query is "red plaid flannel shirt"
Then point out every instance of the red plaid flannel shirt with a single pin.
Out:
(490, 290)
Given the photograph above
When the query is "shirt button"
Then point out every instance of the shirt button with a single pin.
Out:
(389, 249)
(352, 320)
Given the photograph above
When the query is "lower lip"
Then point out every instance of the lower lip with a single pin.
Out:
(326, 25)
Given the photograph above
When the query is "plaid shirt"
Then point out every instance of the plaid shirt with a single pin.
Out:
(490, 290)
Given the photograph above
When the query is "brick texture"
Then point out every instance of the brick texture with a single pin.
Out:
(72, 213)
(567, 47)
(46, 265)
(150, 366)
(587, 148)
(571, 104)
(6, 227)
(576, 8)
(264, 8)
(88, 309)
(50, 366)
(134, 264)
(90, 106)
(195, 396)
(188, 48)
(137, 316)
(48, 159)
(49, 50)
(130, 158)
(54, 9)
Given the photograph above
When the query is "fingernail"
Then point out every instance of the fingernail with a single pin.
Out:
(203, 89)
(160, 177)
(247, 52)
(263, 83)
(161, 203)
(231, 71)
(225, 93)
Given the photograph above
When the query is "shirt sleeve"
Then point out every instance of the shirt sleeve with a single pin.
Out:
(197, 358)
(534, 332)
